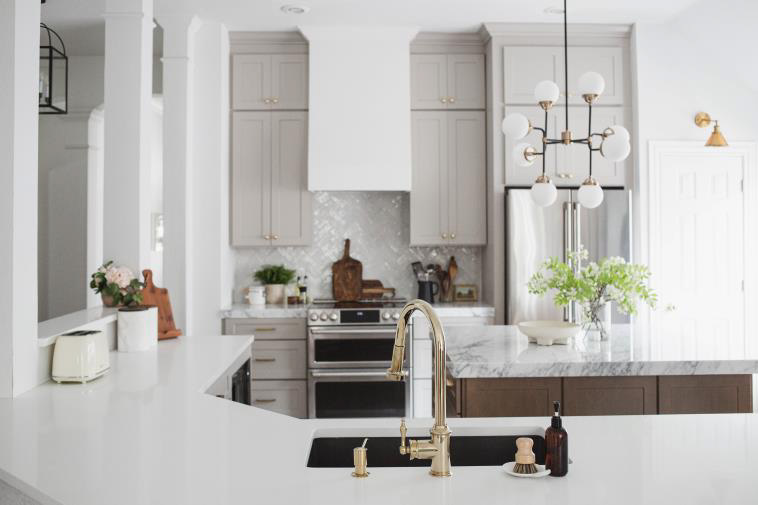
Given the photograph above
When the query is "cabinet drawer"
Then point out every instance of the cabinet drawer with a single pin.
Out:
(510, 397)
(607, 396)
(705, 394)
(266, 329)
(280, 359)
(284, 397)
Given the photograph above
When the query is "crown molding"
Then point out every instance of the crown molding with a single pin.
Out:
(550, 32)
(442, 42)
(261, 42)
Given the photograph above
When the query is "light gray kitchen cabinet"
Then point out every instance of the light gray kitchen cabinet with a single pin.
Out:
(288, 397)
(447, 81)
(525, 66)
(448, 192)
(279, 359)
(274, 328)
(270, 201)
(269, 82)
(566, 165)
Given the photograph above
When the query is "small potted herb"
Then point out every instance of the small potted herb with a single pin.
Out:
(274, 278)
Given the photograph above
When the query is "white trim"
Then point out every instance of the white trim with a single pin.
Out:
(649, 195)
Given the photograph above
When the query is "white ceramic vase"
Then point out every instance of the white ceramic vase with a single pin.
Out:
(274, 294)
(256, 295)
(137, 328)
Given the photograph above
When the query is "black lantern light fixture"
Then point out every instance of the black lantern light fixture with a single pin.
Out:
(53, 72)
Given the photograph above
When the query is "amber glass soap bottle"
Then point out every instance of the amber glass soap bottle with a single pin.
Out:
(556, 445)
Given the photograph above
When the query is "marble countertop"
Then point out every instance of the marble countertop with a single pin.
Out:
(147, 434)
(455, 309)
(503, 351)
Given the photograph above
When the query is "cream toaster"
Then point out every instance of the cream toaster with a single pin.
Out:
(80, 356)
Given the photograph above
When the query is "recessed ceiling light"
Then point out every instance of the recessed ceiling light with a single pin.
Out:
(554, 10)
(295, 9)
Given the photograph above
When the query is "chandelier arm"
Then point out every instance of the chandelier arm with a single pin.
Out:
(544, 145)
(565, 60)
(589, 134)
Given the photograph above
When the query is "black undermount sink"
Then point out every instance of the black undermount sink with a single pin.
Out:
(337, 452)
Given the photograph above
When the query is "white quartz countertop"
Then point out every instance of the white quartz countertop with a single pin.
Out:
(503, 351)
(146, 434)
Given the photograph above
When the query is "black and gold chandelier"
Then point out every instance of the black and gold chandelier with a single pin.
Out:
(612, 143)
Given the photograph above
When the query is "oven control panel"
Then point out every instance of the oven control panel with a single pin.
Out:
(352, 316)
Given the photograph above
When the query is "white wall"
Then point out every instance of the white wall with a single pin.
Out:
(701, 60)
(213, 263)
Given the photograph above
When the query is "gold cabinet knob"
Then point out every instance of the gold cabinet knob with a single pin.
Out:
(443, 99)
(451, 99)
(266, 100)
(276, 237)
(275, 99)
(452, 236)
(444, 235)
(267, 237)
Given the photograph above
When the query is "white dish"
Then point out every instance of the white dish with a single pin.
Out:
(549, 332)
(508, 467)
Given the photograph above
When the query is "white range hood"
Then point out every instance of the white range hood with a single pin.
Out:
(359, 119)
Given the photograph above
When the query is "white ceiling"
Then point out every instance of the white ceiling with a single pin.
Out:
(80, 22)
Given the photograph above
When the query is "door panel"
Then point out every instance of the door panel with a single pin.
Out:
(289, 81)
(291, 214)
(428, 81)
(429, 190)
(251, 178)
(251, 81)
(465, 81)
(467, 178)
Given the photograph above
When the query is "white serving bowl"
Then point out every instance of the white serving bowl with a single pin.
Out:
(549, 332)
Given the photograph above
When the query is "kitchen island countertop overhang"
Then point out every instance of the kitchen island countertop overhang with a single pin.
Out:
(147, 434)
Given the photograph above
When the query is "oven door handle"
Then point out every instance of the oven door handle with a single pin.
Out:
(318, 374)
(346, 331)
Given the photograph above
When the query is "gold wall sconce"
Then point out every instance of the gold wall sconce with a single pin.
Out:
(703, 120)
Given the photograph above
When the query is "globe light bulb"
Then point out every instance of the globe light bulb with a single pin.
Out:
(620, 131)
(590, 193)
(523, 154)
(516, 126)
(615, 148)
(546, 92)
(543, 191)
(591, 83)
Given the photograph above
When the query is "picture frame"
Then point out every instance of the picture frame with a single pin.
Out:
(465, 293)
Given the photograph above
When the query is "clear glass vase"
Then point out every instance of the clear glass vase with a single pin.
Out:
(597, 320)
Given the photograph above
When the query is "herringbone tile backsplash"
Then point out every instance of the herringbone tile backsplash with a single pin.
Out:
(378, 226)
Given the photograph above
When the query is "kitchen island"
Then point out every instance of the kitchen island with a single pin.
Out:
(500, 373)
(147, 433)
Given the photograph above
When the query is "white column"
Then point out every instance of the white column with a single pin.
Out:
(19, 77)
(178, 77)
(128, 96)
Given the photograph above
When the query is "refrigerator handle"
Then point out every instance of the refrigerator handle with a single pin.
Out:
(576, 242)
(568, 245)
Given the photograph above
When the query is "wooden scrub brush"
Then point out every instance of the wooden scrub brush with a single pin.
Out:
(525, 456)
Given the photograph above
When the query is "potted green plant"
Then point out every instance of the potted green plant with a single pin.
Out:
(117, 285)
(594, 286)
(274, 278)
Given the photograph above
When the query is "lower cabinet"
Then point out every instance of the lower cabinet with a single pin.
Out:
(601, 396)
(283, 396)
(713, 394)
(509, 397)
(604, 396)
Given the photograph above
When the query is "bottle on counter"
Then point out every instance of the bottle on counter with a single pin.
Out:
(556, 445)
(304, 290)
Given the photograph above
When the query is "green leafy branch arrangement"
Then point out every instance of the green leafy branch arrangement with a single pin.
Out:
(610, 279)
(274, 274)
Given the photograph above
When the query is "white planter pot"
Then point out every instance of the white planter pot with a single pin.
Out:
(137, 330)
(256, 295)
(274, 293)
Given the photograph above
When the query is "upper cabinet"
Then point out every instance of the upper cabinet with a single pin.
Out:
(448, 195)
(525, 66)
(269, 82)
(447, 81)
(270, 202)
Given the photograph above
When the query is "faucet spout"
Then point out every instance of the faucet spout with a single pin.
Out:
(438, 448)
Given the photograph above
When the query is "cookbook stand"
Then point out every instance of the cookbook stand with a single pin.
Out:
(158, 297)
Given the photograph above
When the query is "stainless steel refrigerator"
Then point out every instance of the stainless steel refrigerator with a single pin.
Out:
(533, 234)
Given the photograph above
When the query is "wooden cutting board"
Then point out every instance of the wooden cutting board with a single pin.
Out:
(154, 296)
(375, 289)
(347, 277)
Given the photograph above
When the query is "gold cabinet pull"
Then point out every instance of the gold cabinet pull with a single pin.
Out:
(443, 99)
(444, 235)
(275, 99)
(452, 236)
(266, 100)
(265, 360)
(451, 99)
(276, 237)
(264, 329)
(264, 400)
(267, 237)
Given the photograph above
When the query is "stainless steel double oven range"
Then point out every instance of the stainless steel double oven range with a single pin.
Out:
(349, 350)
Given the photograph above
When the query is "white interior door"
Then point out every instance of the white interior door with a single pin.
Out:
(698, 251)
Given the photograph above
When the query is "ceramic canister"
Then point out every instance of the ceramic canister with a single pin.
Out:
(256, 295)
(137, 328)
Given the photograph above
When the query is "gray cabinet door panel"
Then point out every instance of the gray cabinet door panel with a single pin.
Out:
(465, 81)
(467, 176)
(251, 81)
(251, 178)
(428, 81)
(291, 215)
(429, 189)
(289, 81)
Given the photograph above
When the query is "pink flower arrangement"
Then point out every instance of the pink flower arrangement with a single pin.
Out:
(117, 285)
